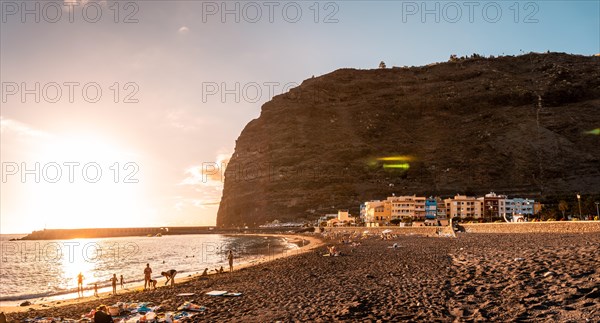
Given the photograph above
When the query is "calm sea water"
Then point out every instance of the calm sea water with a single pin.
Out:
(36, 269)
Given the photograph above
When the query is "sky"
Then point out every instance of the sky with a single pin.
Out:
(114, 114)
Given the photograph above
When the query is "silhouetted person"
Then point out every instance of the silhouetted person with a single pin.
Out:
(153, 282)
(101, 315)
(96, 290)
(2, 317)
(205, 272)
(147, 276)
(80, 285)
(114, 281)
(170, 276)
(122, 282)
(230, 258)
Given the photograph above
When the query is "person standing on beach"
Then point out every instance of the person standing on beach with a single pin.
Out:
(122, 282)
(230, 258)
(147, 276)
(96, 290)
(80, 285)
(114, 281)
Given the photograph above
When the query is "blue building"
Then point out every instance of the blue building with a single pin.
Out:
(519, 206)
(430, 209)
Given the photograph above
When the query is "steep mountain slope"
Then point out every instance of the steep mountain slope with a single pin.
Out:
(514, 125)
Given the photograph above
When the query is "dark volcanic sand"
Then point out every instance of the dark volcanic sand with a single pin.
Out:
(489, 277)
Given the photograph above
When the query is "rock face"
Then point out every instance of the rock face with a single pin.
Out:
(514, 125)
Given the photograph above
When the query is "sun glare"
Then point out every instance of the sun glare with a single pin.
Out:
(85, 181)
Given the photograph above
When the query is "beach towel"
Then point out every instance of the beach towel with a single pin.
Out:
(189, 306)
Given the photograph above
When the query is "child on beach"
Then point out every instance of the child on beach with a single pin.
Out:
(114, 281)
(170, 276)
(153, 282)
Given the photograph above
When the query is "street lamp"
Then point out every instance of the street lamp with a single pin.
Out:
(579, 202)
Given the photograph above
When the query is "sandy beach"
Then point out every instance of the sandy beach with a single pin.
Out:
(489, 277)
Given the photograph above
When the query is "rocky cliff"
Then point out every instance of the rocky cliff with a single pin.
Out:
(514, 125)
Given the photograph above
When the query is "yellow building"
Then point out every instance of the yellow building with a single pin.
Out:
(343, 218)
(403, 207)
(464, 206)
(377, 212)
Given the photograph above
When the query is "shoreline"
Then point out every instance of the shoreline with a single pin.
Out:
(60, 300)
(475, 277)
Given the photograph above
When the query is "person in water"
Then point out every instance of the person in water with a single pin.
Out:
(170, 276)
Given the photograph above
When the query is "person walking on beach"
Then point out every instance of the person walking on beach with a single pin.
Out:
(147, 276)
(230, 258)
(114, 281)
(96, 290)
(80, 285)
(122, 282)
(170, 276)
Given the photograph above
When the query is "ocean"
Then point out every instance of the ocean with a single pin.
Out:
(49, 269)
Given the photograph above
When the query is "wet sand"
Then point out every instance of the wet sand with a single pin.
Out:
(488, 277)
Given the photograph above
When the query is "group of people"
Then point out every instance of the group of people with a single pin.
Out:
(114, 280)
(149, 282)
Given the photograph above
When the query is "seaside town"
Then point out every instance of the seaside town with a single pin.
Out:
(435, 211)
(299, 161)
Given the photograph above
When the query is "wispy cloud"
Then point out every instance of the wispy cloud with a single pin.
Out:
(22, 130)
(208, 173)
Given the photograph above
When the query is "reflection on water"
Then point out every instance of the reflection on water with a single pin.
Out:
(33, 269)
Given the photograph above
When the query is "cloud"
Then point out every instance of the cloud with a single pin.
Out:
(210, 173)
(182, 203)
(184, 30)
(22, 130)
(185, 120)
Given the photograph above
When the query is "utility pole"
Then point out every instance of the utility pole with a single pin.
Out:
(579, 202)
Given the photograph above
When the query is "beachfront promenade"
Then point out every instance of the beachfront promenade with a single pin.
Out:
(513, 227)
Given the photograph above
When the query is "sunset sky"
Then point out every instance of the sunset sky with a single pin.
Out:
(161, 67)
